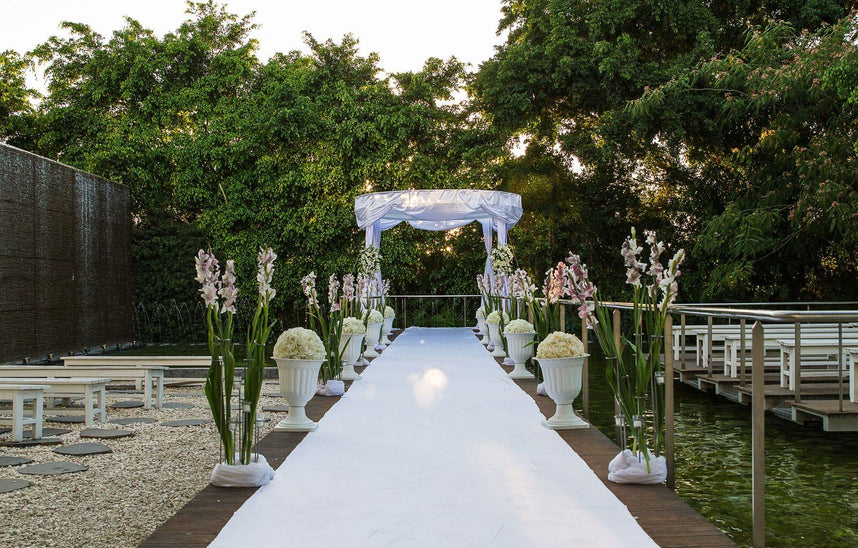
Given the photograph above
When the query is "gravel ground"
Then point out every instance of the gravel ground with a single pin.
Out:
(125, 495)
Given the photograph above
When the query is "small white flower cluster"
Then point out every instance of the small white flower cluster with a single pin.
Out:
(495, 317)
(519, 326)
(481, 313)
(502, 258)
(299, 344)
(373, 316)
(353, 326)
(369, 261)
(389, 312)
(560, 345)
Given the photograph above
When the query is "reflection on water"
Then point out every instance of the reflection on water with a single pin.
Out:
(811, 487)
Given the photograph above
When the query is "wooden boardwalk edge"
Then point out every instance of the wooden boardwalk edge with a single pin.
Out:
(669, 520)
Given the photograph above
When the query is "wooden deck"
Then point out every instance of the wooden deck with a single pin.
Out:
(661, 513)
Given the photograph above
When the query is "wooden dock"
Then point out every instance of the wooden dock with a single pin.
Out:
(660, 512)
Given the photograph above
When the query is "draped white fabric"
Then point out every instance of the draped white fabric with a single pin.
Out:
(435, 447)
(440, 209)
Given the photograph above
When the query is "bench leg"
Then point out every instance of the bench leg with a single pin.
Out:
(38, 415)
(147, 391)
(101, 397)
(18, 417)
(87, 405)
(160, 394)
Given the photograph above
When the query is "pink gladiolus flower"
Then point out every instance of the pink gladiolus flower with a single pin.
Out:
(333, 290)
(265, 272)
(228, 290)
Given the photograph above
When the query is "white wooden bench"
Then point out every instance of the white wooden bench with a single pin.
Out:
(19, 394)
(137, 361)
(816, 349)
(92, 390)
(771, 344)
(152, 376)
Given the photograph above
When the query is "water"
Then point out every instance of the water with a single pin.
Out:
(811, 476)
(811, 487)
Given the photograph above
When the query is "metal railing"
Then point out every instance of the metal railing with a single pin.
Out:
(758, 403)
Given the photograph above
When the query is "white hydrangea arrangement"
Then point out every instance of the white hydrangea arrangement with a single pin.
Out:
(299, 344)
(481, 313)
(353, 326)
(389, 312)
(495, 317)
(519, 326)
(373, 317)
(560, 345)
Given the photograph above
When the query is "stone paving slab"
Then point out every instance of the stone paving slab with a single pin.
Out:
(12, 460)
(83, 449)
(178, 405)
(126, 404)
(186, 422)
(53, 468)
(7, 485)
(67, 419)
(105, 433)
(48, 432)
(275, 408)
(134, 420)
(31, 443)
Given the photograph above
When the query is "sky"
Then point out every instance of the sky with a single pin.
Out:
(403, 32)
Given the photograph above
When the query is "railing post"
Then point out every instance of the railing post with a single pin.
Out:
(758, 436)
(668, 401)
(797, 370)
(840, 366)
(585, 380)
(682, 339)
(616, 325)
(709, 344)
(562, 317)
(742, 335)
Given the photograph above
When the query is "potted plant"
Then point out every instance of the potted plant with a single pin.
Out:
(481, 325)
(494, 322)
(373, 320)
(637, 383)
(351, 344)
(240, 466)
(519, 337)
(387, 326)
(561, 357)
(299, 354)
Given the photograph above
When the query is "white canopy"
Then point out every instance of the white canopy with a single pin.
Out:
(441, 209)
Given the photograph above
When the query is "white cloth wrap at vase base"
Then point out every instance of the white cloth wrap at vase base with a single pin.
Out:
(563, 383)
(350, 346)
(484, 331)
(497, 351)
(373, 331)
(520, 351)
(298, 383)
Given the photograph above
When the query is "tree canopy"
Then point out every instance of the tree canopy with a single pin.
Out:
(726, 126)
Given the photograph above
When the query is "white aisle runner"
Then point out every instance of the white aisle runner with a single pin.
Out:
(435, 447)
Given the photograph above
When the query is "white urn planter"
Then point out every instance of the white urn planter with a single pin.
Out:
(497, 351)
(563, 383)
(520, 351)
(350, 347)
(373, 330)
(386, 328)
(483, 330)
(298, 382)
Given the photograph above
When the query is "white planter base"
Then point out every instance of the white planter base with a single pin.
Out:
(348, 373)
(497, 351)
(297, 421)
(565, 419)
(370, 352)
(385, 341)
(520, 372)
